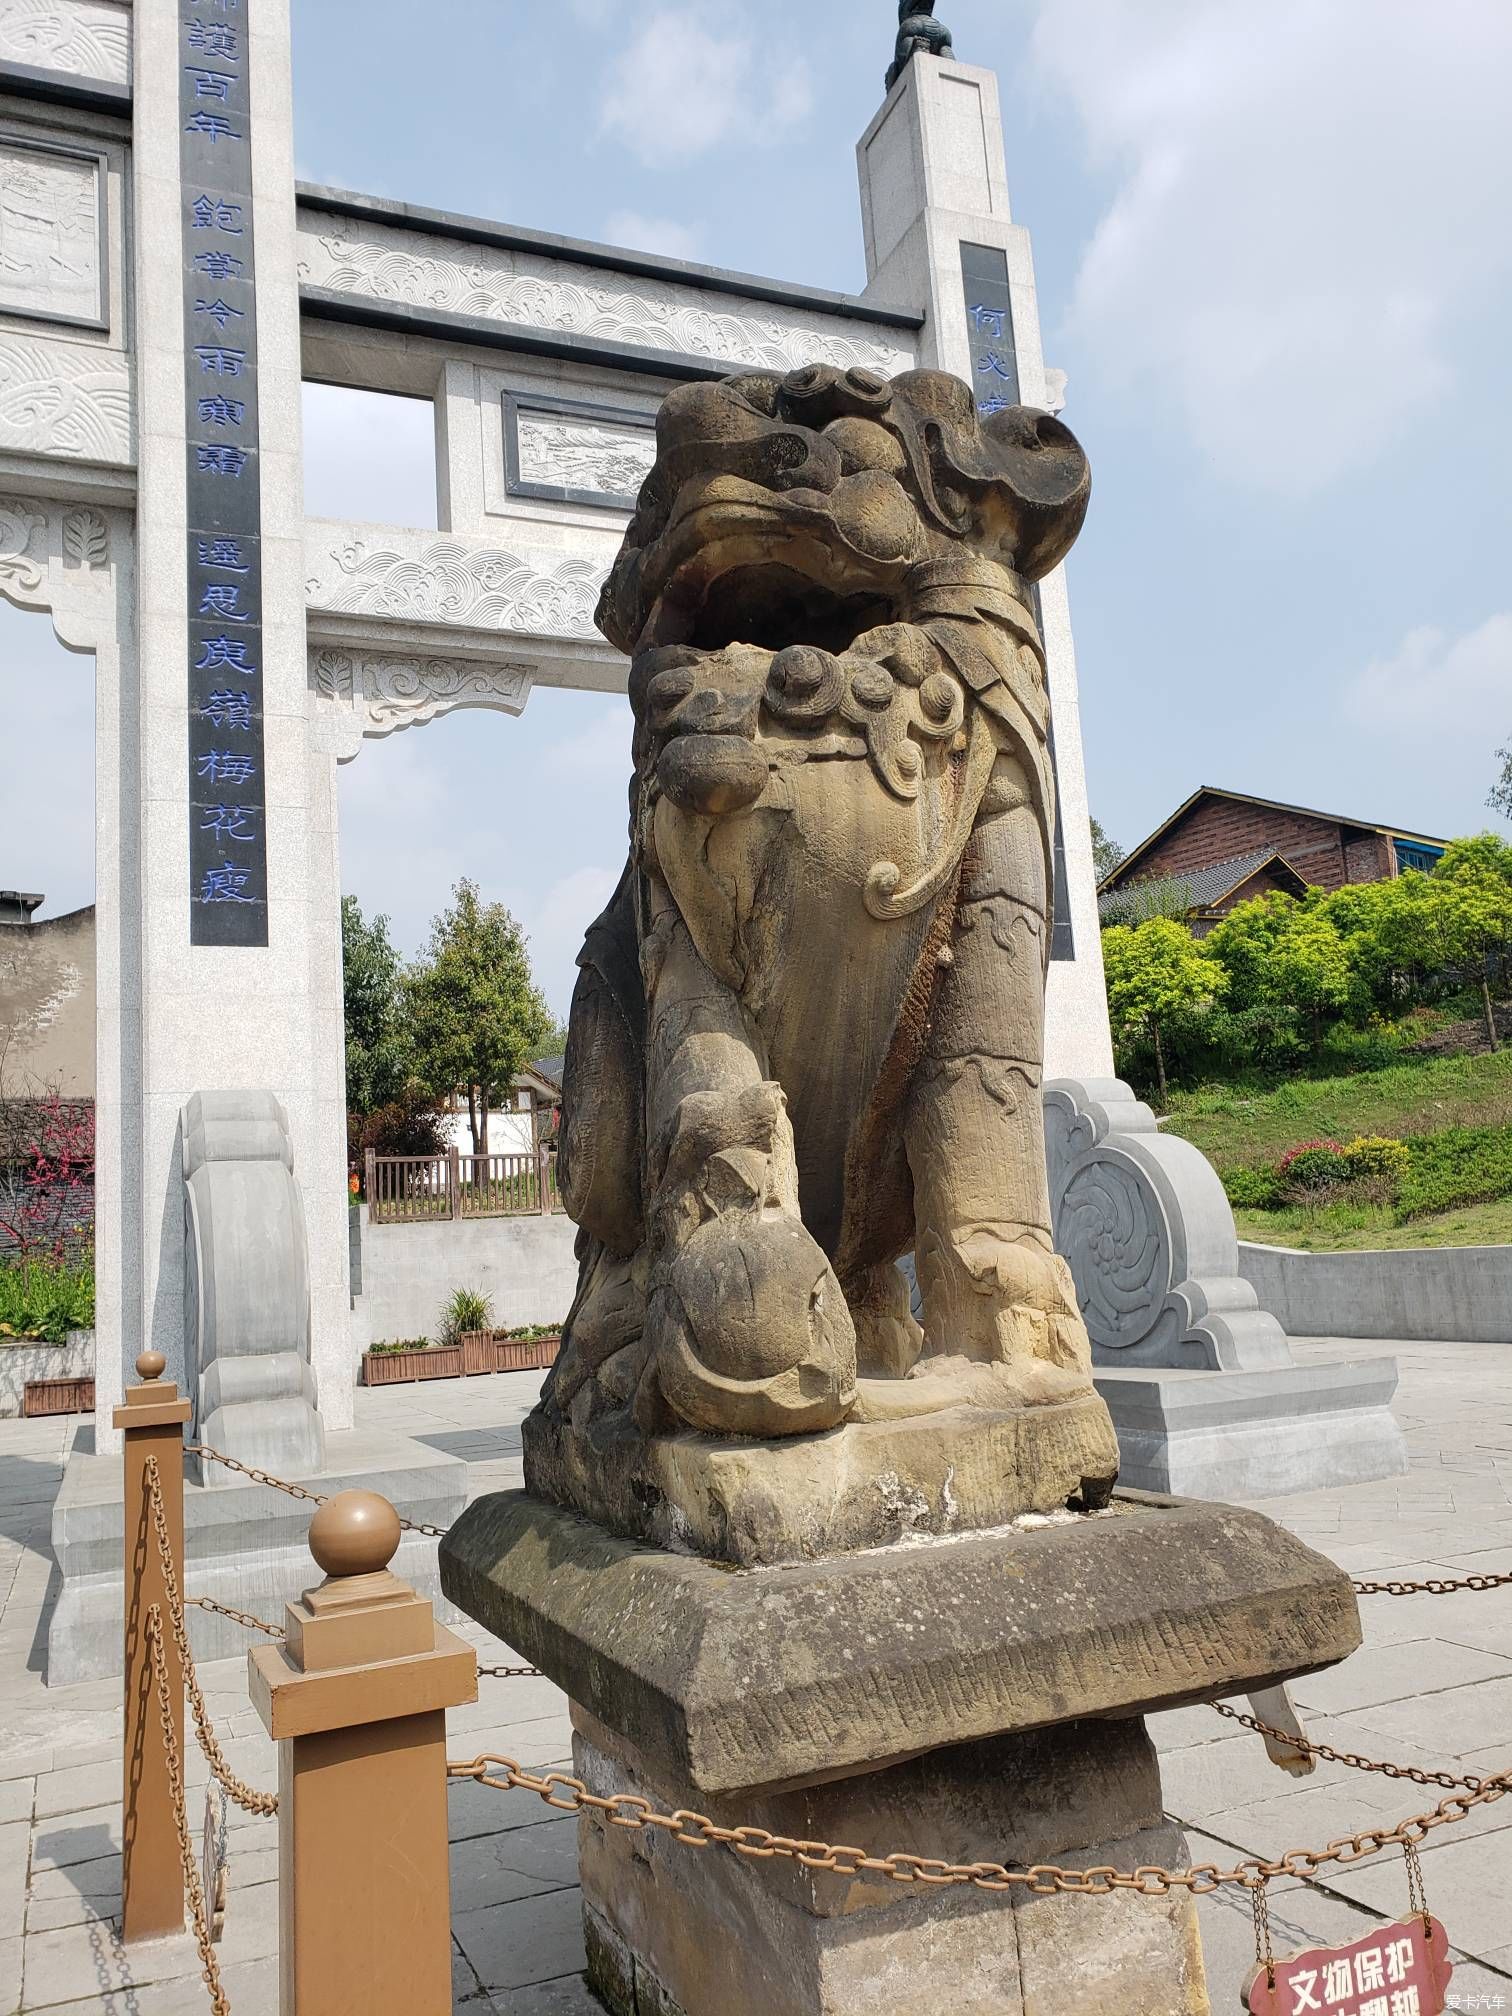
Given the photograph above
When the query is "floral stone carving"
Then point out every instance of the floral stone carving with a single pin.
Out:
(807, 1034)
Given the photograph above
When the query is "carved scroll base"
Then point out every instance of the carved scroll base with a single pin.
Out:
(1200, 1380)
(868, 1484)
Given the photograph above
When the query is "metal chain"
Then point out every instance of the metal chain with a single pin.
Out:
(194, 1889)
(1417, 1896)
(237, 1616)
(1436, 1588)
(695, 1830)
(294, 1490)
(1264, 1952)
(510, 1673)
(249, 1799)
(1352, 1758)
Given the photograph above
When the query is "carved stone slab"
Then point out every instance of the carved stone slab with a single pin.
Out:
(555, 294)
(781, 1675)
(52, 248)
(64, 399)
(386, 694)
(82, 38)
(417, 577)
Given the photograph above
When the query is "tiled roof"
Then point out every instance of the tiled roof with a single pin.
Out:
(549, 1067)
(1122, 872)
(1204, 886)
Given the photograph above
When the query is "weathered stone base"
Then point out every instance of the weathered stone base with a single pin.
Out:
(866, 1484)
(762, 1676)
(244, 1544)
(1209, 1434)
(674, 1931)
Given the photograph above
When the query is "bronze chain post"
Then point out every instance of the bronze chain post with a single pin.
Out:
(356, 1699)
(152, 1421)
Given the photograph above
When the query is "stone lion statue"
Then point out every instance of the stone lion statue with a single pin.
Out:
(806, 1036)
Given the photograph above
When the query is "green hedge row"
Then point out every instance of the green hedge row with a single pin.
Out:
(1460, 1165)
(1432, 1173)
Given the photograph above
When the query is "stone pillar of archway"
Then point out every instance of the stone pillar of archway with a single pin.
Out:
(202, 1008)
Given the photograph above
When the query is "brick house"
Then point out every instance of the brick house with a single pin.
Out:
(1227, 847)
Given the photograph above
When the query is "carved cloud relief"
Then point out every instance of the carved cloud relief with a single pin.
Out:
(85, 38)
(555, 294)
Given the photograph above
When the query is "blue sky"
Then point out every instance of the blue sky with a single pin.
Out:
(1272, 257)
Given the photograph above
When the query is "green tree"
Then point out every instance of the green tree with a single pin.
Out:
(1458, 918)
(1286, 963)
(1475, 856)
(378, 1059)
(1106, 852)
(476, 1014)
(1356, 911)
(1310, 968)
(1158, 977)
(1500, 795)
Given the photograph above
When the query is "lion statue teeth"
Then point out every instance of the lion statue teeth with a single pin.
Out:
(806, 1038)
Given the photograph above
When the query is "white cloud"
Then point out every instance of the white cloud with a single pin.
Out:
(555, 927)
(1442, 691)
(369, 456)
(47, 837)
(639, 233)
(1309, 197)
(688, 79)
(597, 750)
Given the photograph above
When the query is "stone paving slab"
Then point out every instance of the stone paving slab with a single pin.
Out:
(1434, 1680)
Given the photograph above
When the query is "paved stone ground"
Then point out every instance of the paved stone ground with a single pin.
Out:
(1433, 1683)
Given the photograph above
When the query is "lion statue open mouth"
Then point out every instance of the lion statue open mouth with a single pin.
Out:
(807, 1033)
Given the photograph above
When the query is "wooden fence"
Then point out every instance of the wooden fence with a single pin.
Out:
(410, 1189)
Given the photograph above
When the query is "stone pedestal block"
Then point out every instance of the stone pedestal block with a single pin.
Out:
(819, 1669)
(970, 1697)
(687, 1932)
(1255, 1434)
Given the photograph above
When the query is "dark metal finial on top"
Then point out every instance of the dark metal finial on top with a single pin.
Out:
(918, 31)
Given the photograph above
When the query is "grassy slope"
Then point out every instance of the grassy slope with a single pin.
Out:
(1341, 1228)
(1237, 1127)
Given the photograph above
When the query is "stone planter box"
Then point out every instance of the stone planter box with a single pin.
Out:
(23, 1365)
(400, 1368)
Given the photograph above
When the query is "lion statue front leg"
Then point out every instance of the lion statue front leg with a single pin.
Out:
(994, 1289)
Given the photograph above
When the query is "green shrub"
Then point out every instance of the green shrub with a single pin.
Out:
(394, 1346)
(1313, 1167)
(465, 1309)
(528, 1332)
(1377, 1156)
(1458, 1165)
(42, 1302)
(1253, 1189)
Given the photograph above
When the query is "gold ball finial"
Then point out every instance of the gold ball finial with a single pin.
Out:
(151, 1365)
(355, 1533)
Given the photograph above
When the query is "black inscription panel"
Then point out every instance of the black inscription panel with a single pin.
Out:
(228, 854)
